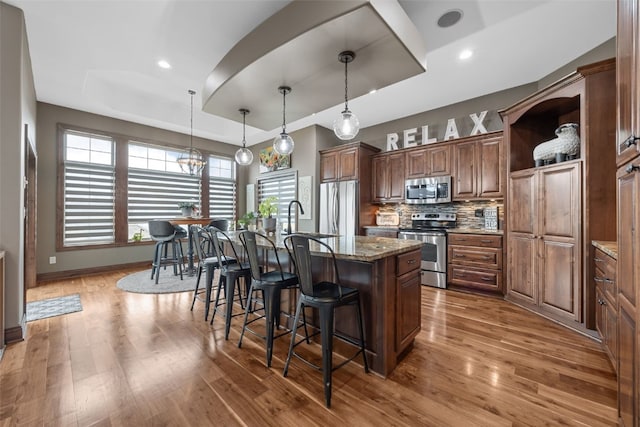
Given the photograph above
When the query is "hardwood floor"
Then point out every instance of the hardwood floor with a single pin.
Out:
(135, 360)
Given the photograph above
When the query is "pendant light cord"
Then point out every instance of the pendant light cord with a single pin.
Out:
(244, 140)
(284, 109)
(346, 102)
(191, 92)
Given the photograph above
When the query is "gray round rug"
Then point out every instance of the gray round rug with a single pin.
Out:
(142, 283)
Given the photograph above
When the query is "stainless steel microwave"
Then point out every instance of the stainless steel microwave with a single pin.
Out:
(433, 189)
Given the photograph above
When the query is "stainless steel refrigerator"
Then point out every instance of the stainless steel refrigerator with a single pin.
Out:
(339, 208)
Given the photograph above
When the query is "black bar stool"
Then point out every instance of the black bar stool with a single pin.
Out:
(326, 297)
(271, 284)
(203, 242)
(230, 272)
(165, 234)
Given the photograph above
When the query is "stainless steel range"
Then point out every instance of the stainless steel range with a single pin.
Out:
(430, 228)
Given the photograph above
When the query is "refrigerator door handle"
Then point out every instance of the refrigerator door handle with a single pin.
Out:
(336, 209)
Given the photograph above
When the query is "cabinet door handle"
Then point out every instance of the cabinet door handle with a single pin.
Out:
(598, 279)
(487, 279)
(485, 241)
(459, 256)
(596, 259)
(631, 168)
(411, 261)
(632, 140)
(460, 275)
(487, 257)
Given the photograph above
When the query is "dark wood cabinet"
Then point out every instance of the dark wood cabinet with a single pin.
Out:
(628, 81)
(475, 262)
(408, 290)
(586, 98)
(543, 240)
(387, 177)
(628, 210)
(478, 168)
(606, 303)
(428, 161)
(627, 277)
(352, 162)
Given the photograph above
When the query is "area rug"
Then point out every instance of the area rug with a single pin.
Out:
(53, 307)
(142, 283)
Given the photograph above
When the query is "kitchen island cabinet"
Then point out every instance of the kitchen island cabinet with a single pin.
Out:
(387, 274)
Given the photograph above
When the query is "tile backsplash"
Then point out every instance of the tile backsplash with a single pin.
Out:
(465, 212)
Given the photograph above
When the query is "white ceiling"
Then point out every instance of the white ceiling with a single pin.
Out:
(101, 56)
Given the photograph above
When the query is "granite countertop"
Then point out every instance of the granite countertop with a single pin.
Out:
(609, 248)
(474, 231)
(355, 248)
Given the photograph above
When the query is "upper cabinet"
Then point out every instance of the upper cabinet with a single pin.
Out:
(428, 161)
(628, 83)
(346, 162)
(387, 177)
(478, 168)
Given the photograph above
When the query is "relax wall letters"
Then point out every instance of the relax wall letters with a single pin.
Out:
(409, 136)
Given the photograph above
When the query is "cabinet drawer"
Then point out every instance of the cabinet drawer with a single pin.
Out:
(408, 262)
(606, 264)
(381, 232)
(608, 287)
(480, 257)
(487, 280)
(482, 240)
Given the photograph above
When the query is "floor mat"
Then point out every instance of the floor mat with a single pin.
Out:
(53, 307)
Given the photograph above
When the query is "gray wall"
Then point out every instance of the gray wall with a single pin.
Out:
(17, 109)
(48, 118)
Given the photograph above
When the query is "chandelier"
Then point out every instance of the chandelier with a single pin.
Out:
(347, 125)
(193, 162)
(244, 156)
(283, 143)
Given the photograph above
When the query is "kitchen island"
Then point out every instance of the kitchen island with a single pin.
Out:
(387, 273)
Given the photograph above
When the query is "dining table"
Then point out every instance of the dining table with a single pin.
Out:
(188, 221)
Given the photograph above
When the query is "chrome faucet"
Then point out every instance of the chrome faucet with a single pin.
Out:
(289, 213)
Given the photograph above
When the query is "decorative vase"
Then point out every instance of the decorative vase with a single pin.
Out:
(269, 224)
(187, 212)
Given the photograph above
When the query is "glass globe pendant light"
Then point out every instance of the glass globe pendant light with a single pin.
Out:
(193, 162)
(244, 156)
(283, 143)
(347, 125)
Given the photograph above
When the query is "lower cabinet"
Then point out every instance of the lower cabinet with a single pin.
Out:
(606, 303)
(475, 262)
(408, 299)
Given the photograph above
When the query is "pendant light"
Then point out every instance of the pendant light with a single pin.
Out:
(244, 156)
(283, 143)
(193, 162)
(347, 125)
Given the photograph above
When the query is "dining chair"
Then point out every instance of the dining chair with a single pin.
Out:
(270, 284)
(325, 296)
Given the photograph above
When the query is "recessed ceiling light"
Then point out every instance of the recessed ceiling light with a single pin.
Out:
(164, 64)
(466, 54)
(450, 18)
(372, 91)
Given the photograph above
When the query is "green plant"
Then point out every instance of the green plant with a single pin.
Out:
(246, 219)
(137, 237)
(186, 205)
(268, 207)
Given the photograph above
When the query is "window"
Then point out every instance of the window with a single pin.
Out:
(89, 189)
(156, 185)
(222, 188)
(284, 188)
(110, 187)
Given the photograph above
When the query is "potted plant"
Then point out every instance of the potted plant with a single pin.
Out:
(187, 208)
(267, 208)
(137, 237)
(246, 220)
